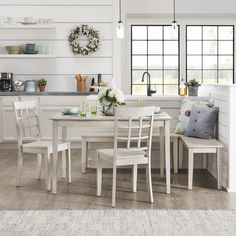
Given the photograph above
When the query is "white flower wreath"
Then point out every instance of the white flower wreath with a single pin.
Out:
(90, 33)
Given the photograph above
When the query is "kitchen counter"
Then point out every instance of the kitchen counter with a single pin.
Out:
(46, 93)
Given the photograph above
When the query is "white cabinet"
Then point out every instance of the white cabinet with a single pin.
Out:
(8, 123)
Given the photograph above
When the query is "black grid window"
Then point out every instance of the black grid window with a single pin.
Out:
(155, 49)
(210, 53)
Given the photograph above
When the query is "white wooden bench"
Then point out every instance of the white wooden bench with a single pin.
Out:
(203, 146)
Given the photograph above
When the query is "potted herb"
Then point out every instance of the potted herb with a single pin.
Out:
(42, 84)
(192, 86)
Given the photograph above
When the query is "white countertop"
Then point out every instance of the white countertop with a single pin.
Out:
(153, 98)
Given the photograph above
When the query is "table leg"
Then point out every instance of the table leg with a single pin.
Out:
(162, 155)
(167, 154)
(63, 157)
(55, 156)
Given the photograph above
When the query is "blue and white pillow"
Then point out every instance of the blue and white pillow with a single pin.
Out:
(185, 111)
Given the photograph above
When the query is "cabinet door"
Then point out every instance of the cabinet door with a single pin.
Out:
(8, 122)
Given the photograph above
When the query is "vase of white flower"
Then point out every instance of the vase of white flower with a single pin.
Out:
(110, 99)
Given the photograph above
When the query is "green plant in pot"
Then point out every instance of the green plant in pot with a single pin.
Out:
(42, 84)
(192, 86)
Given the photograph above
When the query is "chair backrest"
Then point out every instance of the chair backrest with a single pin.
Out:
(27, 120)
(134, 125)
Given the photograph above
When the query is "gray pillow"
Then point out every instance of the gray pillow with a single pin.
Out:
(202, 122)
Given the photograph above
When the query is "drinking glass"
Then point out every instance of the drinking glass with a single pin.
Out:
(94, 107)
(83, 108)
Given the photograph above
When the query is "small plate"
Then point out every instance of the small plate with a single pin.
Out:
(33, 52)
(70, 113)
(28, 23)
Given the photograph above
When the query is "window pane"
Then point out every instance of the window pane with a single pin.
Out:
(139, 32)
(154, 47)
(226, 47)
(139, 47)
(171, 47)
(155, 32)
(210, 32)
(225, 62)
(139, 89)
(171, 77)
(209, 47)
(209, 62)
(155, 62)
(210, 76)
(171, 62)
(156, 76)
(158, 88)
(225, 76)
(140, 62)
(194, 32)
(171, 89)
(226, 32)
(137, 76)
(194, 47)
(195, 74)
(169, 34)
(194, 62)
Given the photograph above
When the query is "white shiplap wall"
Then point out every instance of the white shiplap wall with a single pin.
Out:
(67, 14)
(224, 98)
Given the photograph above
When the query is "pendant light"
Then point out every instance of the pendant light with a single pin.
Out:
(120, 27)
(174, 22)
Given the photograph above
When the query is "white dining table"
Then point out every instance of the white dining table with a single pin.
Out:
(161, 121)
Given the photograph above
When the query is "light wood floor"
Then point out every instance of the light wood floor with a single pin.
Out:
(80, 194)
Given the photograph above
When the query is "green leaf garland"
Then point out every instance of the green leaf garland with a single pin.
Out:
(90, 33)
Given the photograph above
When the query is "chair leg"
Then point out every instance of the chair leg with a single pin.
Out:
(181, 154)
(47, 161)
(190, 168)
(63, 164)
(84, 155)
(99, 176)
(204, 160)
(114, 187)
(219, 172)
(39, 165)
(20, 166)
(135, 171)
(175, 155)
(69, 165)
(149, 182)
(162, 150)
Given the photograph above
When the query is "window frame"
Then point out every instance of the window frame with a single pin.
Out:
(162, 55)
(202, 54)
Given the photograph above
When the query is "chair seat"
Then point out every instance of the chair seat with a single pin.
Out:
(45, 145)
(124, 155)
(191, 142)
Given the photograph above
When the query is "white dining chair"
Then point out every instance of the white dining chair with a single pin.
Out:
(27, 125)
(138, 124)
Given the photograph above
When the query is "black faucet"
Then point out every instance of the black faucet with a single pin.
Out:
(149, 91)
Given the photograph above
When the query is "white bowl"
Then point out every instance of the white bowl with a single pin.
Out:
(72, 110)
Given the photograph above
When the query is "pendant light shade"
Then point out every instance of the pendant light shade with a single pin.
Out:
(120, 32)
(174, 22)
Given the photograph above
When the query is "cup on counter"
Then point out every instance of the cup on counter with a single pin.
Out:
(94, 107)
(83, 108)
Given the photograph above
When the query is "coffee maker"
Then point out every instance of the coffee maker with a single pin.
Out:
(6, 82)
